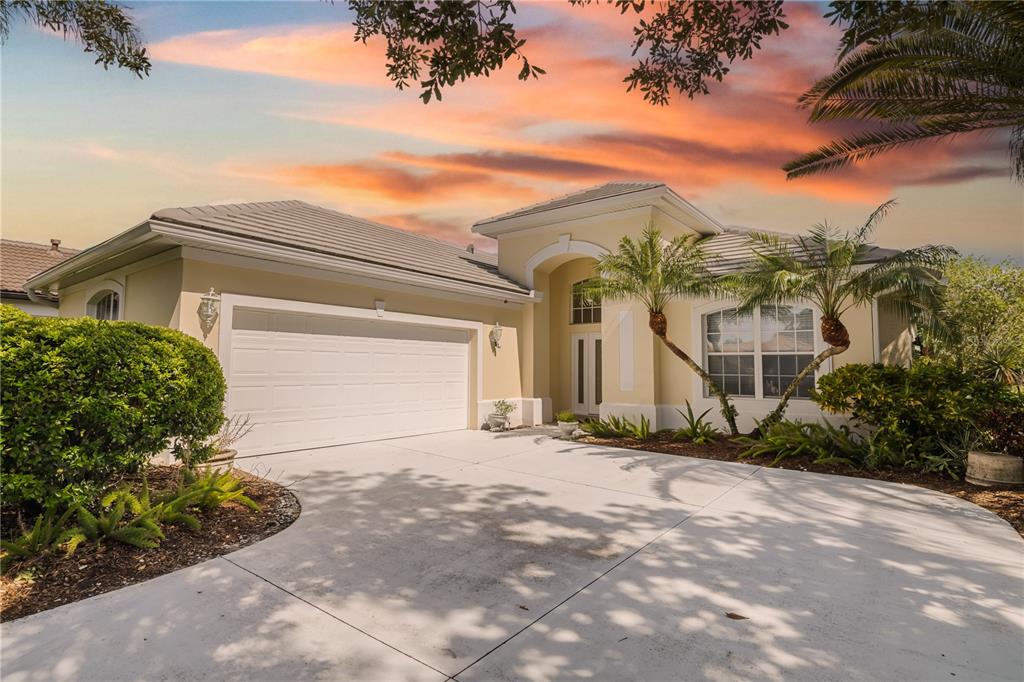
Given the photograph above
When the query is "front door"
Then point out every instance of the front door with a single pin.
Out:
(586, 373)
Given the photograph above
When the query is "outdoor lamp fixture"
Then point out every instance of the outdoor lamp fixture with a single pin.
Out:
(209, 311)
(496, 337)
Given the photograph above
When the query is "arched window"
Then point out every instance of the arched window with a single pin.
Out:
(106, 305)
(586, 305)
(757, 355)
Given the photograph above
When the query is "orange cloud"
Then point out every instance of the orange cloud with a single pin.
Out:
(325, 54)
(494, 143)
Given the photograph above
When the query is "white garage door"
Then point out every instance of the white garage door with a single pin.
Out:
(311, 380)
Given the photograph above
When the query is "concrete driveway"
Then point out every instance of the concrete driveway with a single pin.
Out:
(513, 556)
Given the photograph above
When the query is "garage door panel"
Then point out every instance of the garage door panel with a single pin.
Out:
(310, 381)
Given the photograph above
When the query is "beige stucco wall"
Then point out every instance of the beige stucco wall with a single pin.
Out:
(151, 295)
(72, 303)
(859, 322)
(676, 385)
(895, 338)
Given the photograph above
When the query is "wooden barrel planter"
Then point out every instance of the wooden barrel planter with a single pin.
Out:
(994, 468)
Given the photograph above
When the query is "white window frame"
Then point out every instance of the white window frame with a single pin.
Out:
(573, 308)
(699, 313)
(98, 289)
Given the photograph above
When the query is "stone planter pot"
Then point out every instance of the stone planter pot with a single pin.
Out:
(497, 422)
(567, 428)
(994, 468)
(223, 458)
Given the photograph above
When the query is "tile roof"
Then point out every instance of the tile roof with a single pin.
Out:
(610, 189)
(732, 247)
(298, 224)
(21, 260)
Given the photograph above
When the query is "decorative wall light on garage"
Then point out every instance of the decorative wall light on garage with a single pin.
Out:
(496, 337)
(209, 311)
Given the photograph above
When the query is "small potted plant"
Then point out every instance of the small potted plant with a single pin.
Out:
(235, 428)
(498, 419)
(567, 422)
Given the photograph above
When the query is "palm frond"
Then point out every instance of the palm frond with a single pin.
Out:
(847, 150)
(943, 70)
(654, 271)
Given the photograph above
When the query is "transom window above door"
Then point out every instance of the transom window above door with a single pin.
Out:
(586, 305)
(757, 355)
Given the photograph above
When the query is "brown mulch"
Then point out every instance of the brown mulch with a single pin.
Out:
(1006, 502)
(54, 579)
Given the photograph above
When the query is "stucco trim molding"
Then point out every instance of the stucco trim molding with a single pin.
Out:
(528, 412)
(565, 244)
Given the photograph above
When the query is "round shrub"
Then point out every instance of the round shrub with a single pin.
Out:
(84, 400)
(916, 414)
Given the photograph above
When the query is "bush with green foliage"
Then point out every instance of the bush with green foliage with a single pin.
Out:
(825, 443)
(695, 428)
(566, 416)
(983, 319)
(914, 412)
(84, 400)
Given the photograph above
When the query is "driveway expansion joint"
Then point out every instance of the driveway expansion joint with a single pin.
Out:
(331, 615)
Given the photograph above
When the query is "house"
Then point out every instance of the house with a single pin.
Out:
(335, 329)
(21, 260)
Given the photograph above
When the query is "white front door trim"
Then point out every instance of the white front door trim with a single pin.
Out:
(228, 303)
(589, 405)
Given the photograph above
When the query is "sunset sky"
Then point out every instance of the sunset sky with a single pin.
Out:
(262, 101)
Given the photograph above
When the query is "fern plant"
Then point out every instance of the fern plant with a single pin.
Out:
(48, 531)
(695, 428)
(214, 487)
(826, 443)
(142, 531)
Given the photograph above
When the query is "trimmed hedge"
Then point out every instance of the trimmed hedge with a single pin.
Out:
(84, 400)
(917, 413)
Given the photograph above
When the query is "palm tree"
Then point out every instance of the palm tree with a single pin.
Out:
(835, 272)
(654, 271)
(957, 68)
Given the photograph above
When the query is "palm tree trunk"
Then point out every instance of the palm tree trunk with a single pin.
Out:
(780, 409)
(659, 326)
(834, 332)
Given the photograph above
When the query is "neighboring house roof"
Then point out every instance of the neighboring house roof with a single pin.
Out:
(733, 250)
(21, 260)
(610, 189)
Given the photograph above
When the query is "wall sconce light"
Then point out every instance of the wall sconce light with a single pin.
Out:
(496, 337)
(209, 311)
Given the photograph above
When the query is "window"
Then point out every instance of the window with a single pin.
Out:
(729, 351)
(757, 356)
(787, 347)
(105, 306)
(586, 306)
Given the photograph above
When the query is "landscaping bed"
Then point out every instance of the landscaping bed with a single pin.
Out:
(1006, 502)
(52, 579)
